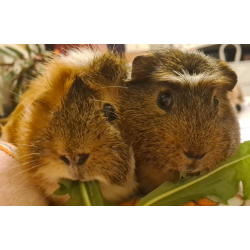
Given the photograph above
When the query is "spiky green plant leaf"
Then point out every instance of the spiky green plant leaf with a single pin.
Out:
(18, 53)
(39, 50)
(28, 50)
(6, 53)
(9, 76)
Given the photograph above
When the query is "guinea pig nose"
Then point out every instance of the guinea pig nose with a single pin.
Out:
(65, 160)
(193, 156)
(82, 159)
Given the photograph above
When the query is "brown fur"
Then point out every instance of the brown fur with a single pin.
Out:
(61, 115)
(193, 124)
(236, 98)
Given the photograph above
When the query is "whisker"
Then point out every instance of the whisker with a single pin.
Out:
(22, 164)
(19, 95)
(16, 166)
(100, 101)
(40, 187)
(114, 87)
(26, 170)
(7, 170)
(24, 144)
(29, 155)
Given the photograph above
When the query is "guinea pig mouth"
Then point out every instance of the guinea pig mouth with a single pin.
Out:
(74, 174)
(80, 175)
(192, 167)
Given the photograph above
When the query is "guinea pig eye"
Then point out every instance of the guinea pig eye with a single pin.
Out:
(109, 112)
(165, 101)
(216, 102)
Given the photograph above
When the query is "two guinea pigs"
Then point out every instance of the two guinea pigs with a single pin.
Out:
(84, 119)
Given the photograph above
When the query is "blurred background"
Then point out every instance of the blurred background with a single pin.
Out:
(20, 63)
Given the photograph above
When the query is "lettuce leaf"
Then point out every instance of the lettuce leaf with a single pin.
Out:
(222, 182)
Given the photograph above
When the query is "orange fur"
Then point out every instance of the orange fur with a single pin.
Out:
(62, 115)
(236, 98)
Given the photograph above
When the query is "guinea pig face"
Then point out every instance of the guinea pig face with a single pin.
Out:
(178, 122)
(76, 138)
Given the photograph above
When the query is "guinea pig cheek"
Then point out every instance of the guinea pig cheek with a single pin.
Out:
(107, 166)
(53, 171)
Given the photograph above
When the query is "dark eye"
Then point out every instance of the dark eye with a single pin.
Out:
(216, 102)
(109, 112)
(238, 107)
(165, 101)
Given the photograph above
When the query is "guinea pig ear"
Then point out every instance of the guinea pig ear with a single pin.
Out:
(230, 76)
(77, 91)
(142, 67)
(76, 87)
(112, 67)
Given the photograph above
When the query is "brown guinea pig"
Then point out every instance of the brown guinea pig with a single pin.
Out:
(177, 116)
(66, 126)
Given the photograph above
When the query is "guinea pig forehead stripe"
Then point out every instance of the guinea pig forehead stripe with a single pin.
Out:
(79, 57)
(185, 77)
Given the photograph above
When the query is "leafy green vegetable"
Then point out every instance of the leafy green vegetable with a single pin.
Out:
(38, 48)
(82, 193)
(222, 182)
(28, 50)
(16, 76)
(2, 51)
(19, 54)
(92, 194)
(9, 76)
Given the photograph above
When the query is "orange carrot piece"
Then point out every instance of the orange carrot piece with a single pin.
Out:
(190, 203)
(206, 202)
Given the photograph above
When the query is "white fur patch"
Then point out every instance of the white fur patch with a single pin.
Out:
(79, 56)
(117, 193)
(185, 77)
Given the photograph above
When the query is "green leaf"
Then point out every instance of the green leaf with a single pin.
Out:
(38, 48)
(61, 191)
(92, 194)
(65, 187)
(6, 53)
(28, 50)
(222, 182)
(75, 196)
(19, 54)
(27, 64)
(82, 193)
(9, 76)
